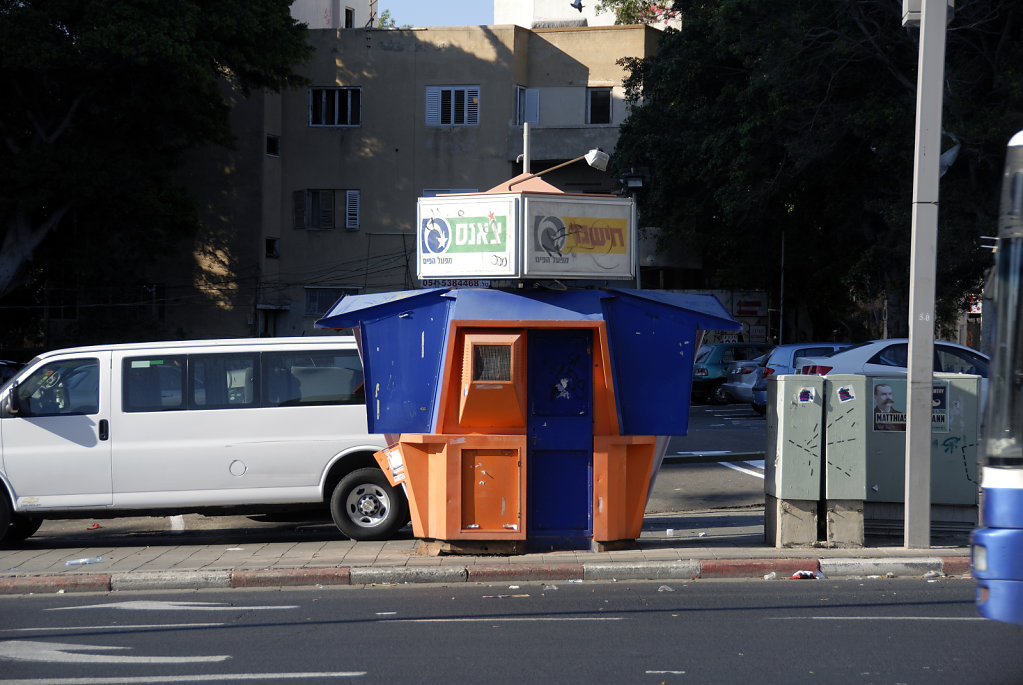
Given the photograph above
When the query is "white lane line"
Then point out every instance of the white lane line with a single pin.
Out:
(177, 523)
(67, 653)
(739, 468)
(878, 618)
(757, 463)
(703, 453)
(504, 619)
(142, 626)
(203, 678)
(145, 605)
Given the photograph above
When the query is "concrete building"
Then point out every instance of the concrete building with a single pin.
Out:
(319, 198)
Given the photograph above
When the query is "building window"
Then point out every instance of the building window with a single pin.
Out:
(527, 105)
(273, 146)
(319, 299)
(335, 106)
(318, 209)
(598, 105)
(452, 105)
(349, 18)
(273, 248)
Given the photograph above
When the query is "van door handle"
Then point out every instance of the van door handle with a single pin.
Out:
(104, 429)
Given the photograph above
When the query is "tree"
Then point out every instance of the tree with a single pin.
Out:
(101, 100)
(638, 11)
(759, 119)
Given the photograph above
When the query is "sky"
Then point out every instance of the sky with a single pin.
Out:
(439, 12)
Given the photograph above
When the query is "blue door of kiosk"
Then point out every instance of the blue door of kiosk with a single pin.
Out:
(559, 379)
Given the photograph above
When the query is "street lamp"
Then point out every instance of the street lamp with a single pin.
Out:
(595, 158)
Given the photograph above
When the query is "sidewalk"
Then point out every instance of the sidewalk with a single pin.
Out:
(679, 546)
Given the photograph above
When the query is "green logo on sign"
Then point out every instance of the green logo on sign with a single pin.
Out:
(478, 234)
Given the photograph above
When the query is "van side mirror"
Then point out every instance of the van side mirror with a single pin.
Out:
(15, 402)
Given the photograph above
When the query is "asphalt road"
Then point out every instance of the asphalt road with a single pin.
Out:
(816, 631)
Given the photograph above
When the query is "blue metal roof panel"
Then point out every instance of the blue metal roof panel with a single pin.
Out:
(351, 310)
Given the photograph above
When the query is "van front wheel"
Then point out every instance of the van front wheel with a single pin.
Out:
(365, 506)
(21, 528)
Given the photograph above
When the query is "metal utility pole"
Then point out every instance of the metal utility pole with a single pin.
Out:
(923, 260)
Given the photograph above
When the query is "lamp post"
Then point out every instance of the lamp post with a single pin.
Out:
(634, 180)
(596, 158)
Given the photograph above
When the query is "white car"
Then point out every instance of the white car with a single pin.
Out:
(890, 358)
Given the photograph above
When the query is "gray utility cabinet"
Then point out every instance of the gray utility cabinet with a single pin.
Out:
(836, 455)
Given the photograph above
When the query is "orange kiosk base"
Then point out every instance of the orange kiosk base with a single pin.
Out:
(474, 487)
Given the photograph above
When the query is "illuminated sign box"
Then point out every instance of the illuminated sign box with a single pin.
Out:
(526, 235)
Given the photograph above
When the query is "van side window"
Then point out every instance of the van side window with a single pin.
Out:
(313, 377)
(222, 381)
(66, 386)
(154, 383)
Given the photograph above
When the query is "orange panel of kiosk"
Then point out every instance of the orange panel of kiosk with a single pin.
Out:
(461, 487)
(493, 381)
(622, 468)
(459, 413)
(488, 503)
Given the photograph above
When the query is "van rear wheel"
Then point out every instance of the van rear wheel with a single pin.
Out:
(365, 506)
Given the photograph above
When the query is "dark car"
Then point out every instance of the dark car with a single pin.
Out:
(710, 368)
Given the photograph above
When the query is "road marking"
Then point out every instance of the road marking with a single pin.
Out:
(503, 620)
(878, 618)
(177, 523)
(143, 605)
(143, 626)
(703, 453)
(58, 652)
(758, 474)
(204, 678)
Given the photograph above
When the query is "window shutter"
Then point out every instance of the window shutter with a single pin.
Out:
(352, 200)
(473, 106)
(446, 106)
(325, 215)
(532, 106)
(433, 106)
(355, 117)
(300, 198)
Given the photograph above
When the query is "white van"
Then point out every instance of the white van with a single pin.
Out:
(210, 426)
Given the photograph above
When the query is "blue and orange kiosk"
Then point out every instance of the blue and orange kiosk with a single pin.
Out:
(527, 413)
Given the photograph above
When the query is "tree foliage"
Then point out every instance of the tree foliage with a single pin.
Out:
(762, 119)
(638, 11)
(101, 100)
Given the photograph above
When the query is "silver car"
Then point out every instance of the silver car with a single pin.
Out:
(781, 360)
(742, 376)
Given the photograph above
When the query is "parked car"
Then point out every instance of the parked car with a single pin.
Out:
(218, 426)
(711, 365)
(890, 358)
(780, 360)
(742, 376)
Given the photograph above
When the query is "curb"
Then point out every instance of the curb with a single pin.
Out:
(710, 569)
